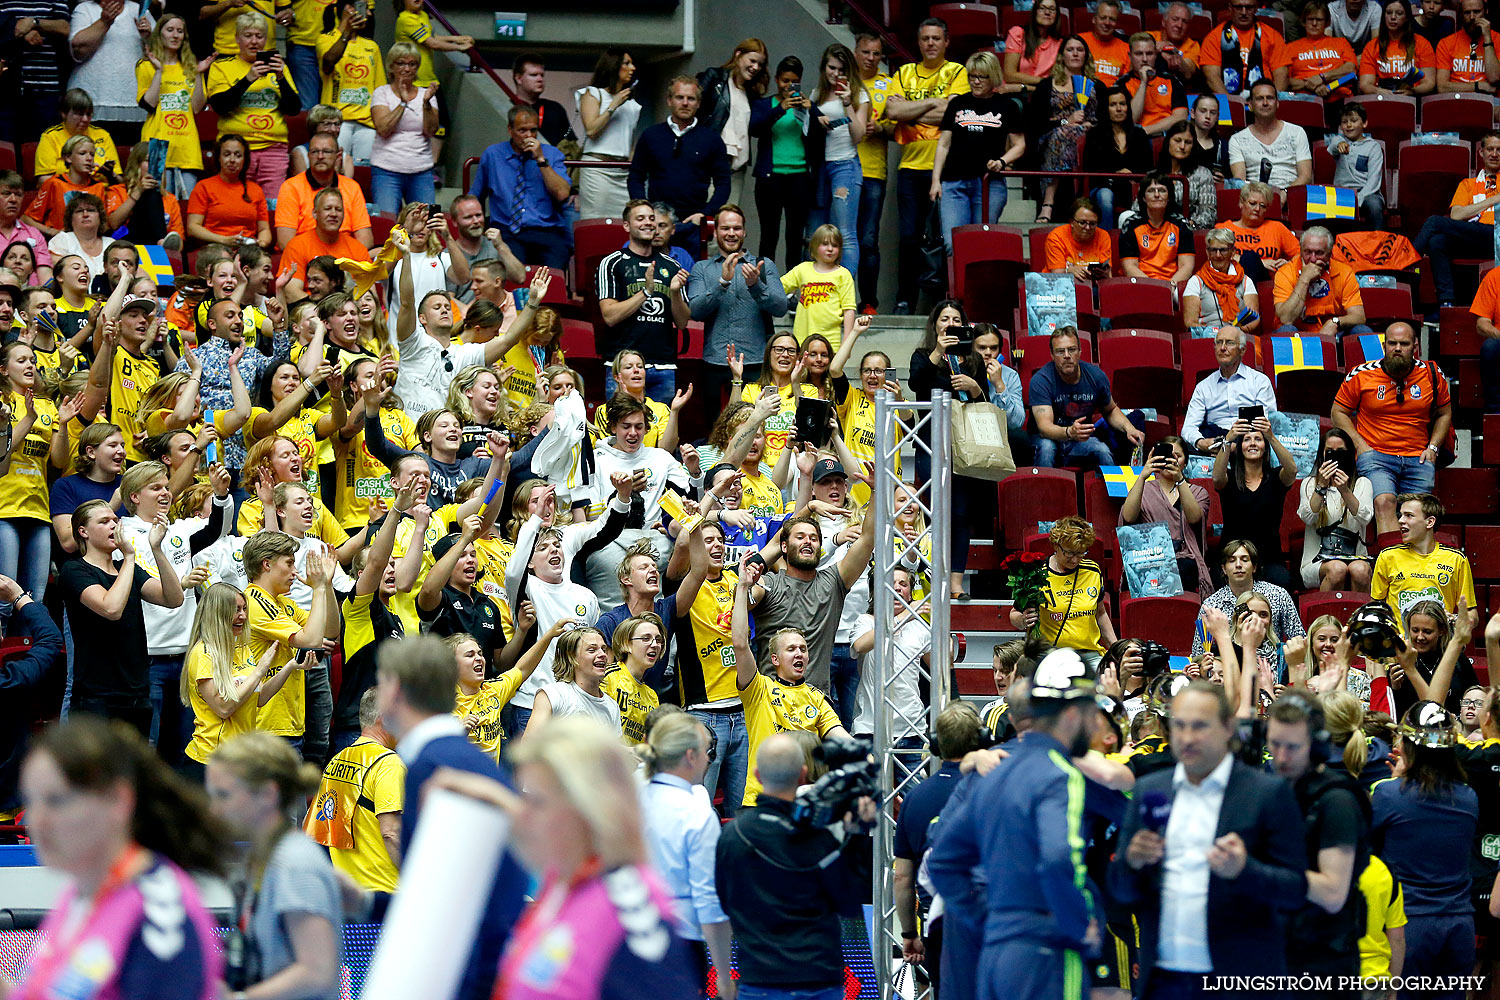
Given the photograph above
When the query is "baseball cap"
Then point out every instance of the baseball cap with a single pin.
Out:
(828, 467)
(141, 302)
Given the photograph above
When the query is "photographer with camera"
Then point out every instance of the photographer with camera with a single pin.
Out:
(783, 883)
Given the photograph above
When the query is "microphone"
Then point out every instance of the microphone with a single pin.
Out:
(1156, 809)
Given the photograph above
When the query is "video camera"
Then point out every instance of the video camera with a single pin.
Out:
(1155, 659)
(853, 773)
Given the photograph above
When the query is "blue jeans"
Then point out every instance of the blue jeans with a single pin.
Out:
(1395, 474)
(871, 205)
(772, 993)
(25, 552)
(1050, 454)
(843, 678)
(842, 210)
(342, 740)
(1442, 239)
(179, 182)
(513, 719)
(392, 190)
(1105, 199)
(171, 723)
(302, 60)
(733, 749)
(550, 245)
(661, 384)
(1373, 209)
(962, 204)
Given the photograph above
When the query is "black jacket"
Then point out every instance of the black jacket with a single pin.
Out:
(21, 681)
(783, 895)
(713, 99)
(1246, 915)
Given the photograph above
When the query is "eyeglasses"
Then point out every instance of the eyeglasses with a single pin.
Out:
(1471, 703)
(872, 371)
(784, 350)
(1071, 553)
(1084, 224)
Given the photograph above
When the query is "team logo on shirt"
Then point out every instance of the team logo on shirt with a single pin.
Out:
(580, 609)
(811, 711)
(1443, 579)
(1416, 392)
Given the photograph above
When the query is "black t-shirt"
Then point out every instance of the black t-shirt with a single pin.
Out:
(652, 330)
(472, 613)
(109, 657)
(1332, 817)
(1464, 677)
(554, 124)
(1255, 515)
(979, 126)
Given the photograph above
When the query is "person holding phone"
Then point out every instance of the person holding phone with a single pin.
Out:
(1066, 393)
(609, 112)
(784, 163)
(841, 109)
(1336, 504)
(352, 71)
(1315, 293)
(1079, 247)
(253, 96)
(1163, 496)
(1252, 493)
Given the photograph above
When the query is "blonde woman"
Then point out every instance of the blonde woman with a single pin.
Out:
(627, 374)
(431, 266)
(479, 702)
(175, 403)
(405, 115)
(33, 442)
(579, 666)
(638, 643)
(221, 682)
(477, 397)
(170, 83)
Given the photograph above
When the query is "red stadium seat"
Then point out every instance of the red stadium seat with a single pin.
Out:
(1171, 621)
(1138, 302)
(1356, 351)
(8, 159)
(1458, 332)
(1308, 113)
(982, 243)
(577, 340)
(593, 240)
(1434, 158)
(1492, 439)
(1339, 603)
(1323, 164)
(1482, 545)
(1215, 509)
(1012, 18)
(1384, 306)
(381, 226)
(971, 26)
(1391, 116)
(1031, 495)
(1468, 492)
(1119, 348)
(28, 164)
(1088, 319)
(1470, 115)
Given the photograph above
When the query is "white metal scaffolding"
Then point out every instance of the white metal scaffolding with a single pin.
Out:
(926, 426)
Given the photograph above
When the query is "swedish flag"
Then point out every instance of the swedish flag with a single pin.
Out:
(1083, 89)
(156, 265)
(1120, 478)
(1290, 354)
(1329, 202)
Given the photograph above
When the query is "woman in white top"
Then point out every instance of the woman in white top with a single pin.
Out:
(840, 108)
(727, 92)
(405, 118)
(609, 112)
(581, 661)
(80, 234)
(1336, 505)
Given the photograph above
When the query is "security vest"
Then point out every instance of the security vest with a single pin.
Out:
(330, 821)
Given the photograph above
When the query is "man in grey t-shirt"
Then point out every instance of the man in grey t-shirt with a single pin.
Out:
(467, 213)
(805, 598)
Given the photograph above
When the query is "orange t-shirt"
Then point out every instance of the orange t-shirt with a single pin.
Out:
(1163, 95)
(115, 197)
(1327, 298)
(1463, 58)
(1111, 57)
(1155, 250)
(1388, 426)
(1475, 189)
(1487, 299)
(51, 203)
(294, 205)
(1188, 48)
(224, 208)
(1272, 47)
(1396, 64)
(307, 246)
(1062, 251)
(1271, 241)
(1310, 57)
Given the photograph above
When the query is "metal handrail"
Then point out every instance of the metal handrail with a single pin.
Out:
(473, 53)
(470, 163)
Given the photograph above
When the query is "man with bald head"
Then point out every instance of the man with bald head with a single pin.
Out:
(783, 881)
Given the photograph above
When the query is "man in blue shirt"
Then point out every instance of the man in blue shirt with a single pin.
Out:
(1065, 395)
(1216, 402)
(524, 183)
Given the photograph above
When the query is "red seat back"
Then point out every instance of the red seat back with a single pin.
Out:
(1171, 621)
(1031, 495)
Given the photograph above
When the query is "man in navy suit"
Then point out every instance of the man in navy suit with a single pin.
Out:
(1213, 860)
(418, 681)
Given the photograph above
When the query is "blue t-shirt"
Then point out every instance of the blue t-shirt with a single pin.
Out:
(664, 607)
(1426, 842)
(71, 491)
(1084, 398)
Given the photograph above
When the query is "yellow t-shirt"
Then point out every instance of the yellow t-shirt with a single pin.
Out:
(361, 476)
(52, 362)
(914, 83)
(493, 555)
(703, 633)
(307, 21)
(275, 619)
(636, 701)
(173, 119)
(403, 603)
(376, 778)
(658, 423)
(857, 417)
(224, 42)
(325, 526)
(208, 729)
(874, 152)
(762, 497)
(49, 153)
(355, 76)
(1403, 576)
(486, 703)
(1070, 602)
(521, 386)
(778, 425)
(23, 490)
(130, 376)
(1384, 909)
(822, 297)
(302, 430)
(773, 706)
(416, 27)
(256, 118)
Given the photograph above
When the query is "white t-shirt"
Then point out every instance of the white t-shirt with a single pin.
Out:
(109, 74)
(615, 139)
(839, 145)
(1284, 153)
(553, 601)
(661, 470)
(736, 134)
(570, 699)
(429, 273)
(406, 150)
(912, 641)
(66, 243)
(1208, 302)
(167, 629)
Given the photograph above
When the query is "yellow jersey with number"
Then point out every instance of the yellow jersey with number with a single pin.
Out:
(130, 377)
(486, 703)
(857, 418)
(773, 706)
(636, 701)
(705, 647)
(272, 619)
(23, 489)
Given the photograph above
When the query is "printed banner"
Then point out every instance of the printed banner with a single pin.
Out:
(1299, 432)
(1051, 302)
(1149, 560)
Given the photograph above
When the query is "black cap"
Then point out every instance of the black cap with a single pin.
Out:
(826, 468)
(442, 545)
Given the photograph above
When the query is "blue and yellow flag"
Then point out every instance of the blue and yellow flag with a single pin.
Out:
(1330, 202)
(1373, 346)
(1083, 89)
(1290, 354)
(1224, 117)
(1345, 82)
(1120, 478)
(156, 265)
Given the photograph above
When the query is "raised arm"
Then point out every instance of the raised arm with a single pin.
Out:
(745, 667)
(164, 590)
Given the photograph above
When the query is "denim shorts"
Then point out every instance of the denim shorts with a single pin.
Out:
(1396, 474)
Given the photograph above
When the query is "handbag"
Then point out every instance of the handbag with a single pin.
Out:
(1338, 543)
(981, 444)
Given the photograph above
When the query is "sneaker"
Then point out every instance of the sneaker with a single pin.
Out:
(902, 309)
(868, 310)
(172, 242)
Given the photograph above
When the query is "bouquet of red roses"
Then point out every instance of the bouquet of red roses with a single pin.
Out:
(1026, 576)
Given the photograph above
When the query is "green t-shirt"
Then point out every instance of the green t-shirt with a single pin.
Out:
(788, 156)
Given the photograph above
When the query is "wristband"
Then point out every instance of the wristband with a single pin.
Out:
(499, 483)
